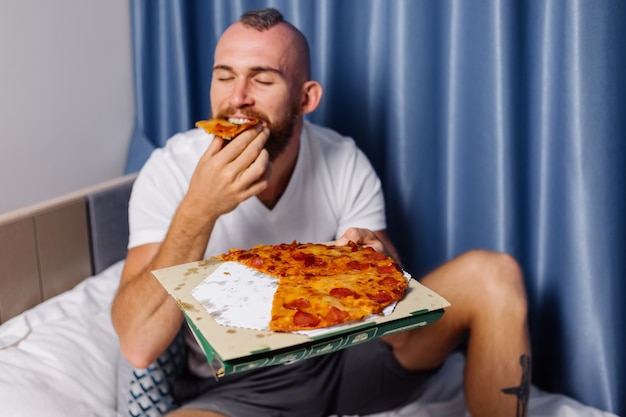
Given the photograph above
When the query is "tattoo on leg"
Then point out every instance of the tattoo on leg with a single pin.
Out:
(522, 391)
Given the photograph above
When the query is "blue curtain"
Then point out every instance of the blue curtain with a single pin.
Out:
(493, 124)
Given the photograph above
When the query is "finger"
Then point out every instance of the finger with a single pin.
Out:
(258, 170)
(245, 158)
(255, 189)
(253, 150)
(238, 145)
(352, 234)
(214, 147)
(258, 177)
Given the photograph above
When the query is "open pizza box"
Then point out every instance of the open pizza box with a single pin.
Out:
(232, 347)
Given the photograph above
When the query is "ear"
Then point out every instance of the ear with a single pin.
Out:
(311, 96)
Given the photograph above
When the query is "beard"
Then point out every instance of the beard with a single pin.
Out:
(281, 130)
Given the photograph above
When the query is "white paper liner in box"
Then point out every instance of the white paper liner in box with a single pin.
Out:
(238, 296)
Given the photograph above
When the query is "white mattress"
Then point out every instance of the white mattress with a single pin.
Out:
(59, 359)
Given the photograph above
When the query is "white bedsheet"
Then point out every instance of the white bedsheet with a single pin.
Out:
(59, 359)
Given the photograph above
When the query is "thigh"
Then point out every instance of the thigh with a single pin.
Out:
(373, 381)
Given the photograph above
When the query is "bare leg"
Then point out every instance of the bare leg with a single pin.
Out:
(489, 309)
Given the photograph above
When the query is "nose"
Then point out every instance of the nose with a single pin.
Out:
(240, 95)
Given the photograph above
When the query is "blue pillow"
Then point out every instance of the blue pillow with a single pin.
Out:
(148, 392)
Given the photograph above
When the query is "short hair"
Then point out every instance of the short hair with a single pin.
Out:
(264, 19)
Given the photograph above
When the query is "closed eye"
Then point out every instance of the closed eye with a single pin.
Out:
(266, 76)
(221, 73)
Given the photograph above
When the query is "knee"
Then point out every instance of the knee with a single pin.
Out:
(497, 279)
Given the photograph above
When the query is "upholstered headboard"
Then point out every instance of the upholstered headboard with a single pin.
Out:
(50, 247)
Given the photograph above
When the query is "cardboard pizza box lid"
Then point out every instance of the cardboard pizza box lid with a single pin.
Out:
(232, 349)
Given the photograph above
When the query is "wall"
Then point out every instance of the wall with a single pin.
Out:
(66, 98)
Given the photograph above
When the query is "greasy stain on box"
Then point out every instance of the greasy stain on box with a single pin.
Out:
(186, 306)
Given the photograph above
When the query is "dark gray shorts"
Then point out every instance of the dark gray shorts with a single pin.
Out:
(363, 379)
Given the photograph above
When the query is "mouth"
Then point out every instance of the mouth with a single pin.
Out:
(240, 120)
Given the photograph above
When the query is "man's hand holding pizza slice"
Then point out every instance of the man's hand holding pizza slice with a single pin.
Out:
(227, 175)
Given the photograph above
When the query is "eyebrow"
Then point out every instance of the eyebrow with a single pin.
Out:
(253, 69)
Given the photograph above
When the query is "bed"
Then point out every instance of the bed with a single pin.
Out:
(60, 263)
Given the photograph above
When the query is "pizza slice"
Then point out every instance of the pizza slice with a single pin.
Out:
(226, 129)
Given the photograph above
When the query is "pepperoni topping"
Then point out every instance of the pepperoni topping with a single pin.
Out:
(301, 256)
(298, 304)
(341, 292)
(357, 266)
(336, 315)
(256, 262)
(386, 269)
(309, 260)
(376, 256)
(380, 297)
(389, 281)
(304, 319)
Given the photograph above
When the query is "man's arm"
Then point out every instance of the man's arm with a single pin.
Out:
(157, 314)
(145, 318)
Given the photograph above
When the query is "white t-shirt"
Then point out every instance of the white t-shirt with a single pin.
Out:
(333, 187)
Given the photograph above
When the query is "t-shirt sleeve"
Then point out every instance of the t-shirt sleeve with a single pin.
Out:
(361, 195)
(155, 197)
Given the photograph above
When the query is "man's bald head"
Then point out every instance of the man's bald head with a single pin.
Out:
(264, 19)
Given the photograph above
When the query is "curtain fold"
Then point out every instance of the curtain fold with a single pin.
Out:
(493, 124)
(577, 138)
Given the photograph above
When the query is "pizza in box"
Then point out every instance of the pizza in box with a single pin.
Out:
(323, 285)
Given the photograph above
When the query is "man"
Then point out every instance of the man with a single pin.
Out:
(286, 180)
